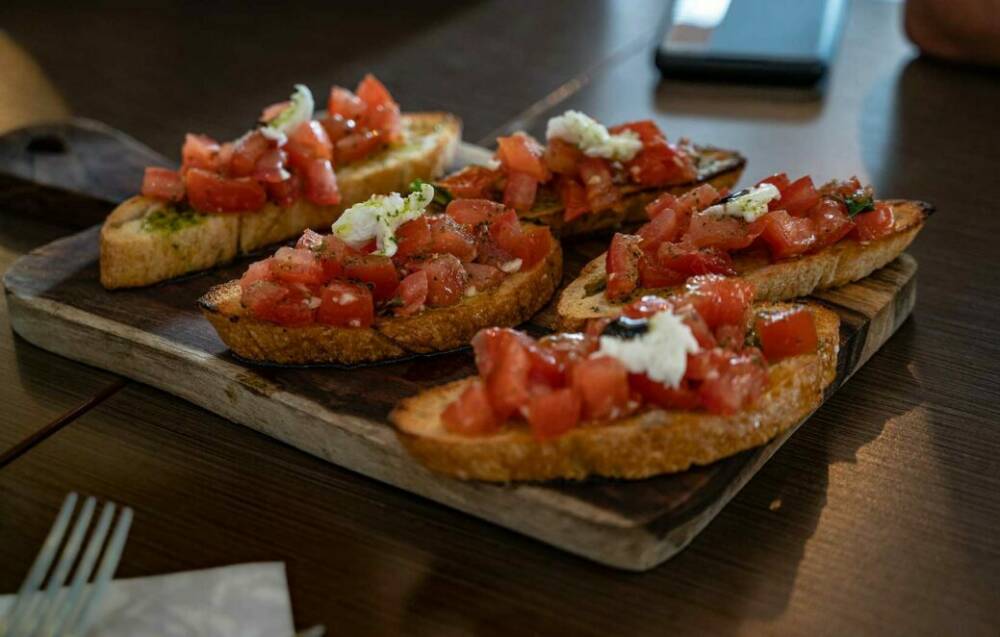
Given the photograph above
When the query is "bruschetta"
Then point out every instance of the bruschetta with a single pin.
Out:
(669, 384)
(589, 178)
(391, 280)
(788, 238)
(289, 173)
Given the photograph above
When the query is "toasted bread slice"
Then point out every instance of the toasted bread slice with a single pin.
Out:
(831, 267)
(514, 301)
(721, 168)
(144, 241)
(652, 442)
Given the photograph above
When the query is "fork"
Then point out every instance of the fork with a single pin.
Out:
(64, 612)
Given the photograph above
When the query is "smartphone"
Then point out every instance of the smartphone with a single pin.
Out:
(782, 42)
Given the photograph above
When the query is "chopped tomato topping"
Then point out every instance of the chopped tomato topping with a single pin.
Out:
(381, 112)
(653, 274)
(778, 180)
(647, 306)
(377, 271)
(345, 304)
(551, 414)
(310, 140)
(799, 197)
(259, 271)
(531, 243)
(830, 222)
(285, 193)
(787, 236)
(876, 223)
(483, 277)
(357, 146)
(471, 413)
(573, 196)
(787, 334)
(208, 192)
(656, 393)
(296, 265)
(246, 152)
(472, 212)
(520, 153)
(520, 191)
(161, 183)
(199, 151)
(270, 301)
(723, 233)
(602, 382)
(413, 238)
(474, 182)
(599, 184)
(338, 127)
(321, 183)
(562, 157)
(446, 280)
(447, 236)
(691, 262)
(508, 384)
(720, 300)
(663, 227)
(412, 293)
(623, 265)
(658, 163)
(270, 167)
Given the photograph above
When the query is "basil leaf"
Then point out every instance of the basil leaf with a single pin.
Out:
(856, 204)
(441, 195)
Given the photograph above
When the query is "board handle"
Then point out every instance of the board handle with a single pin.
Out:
(74, 171)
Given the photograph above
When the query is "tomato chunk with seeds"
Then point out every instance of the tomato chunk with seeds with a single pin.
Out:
(345, 304)
(446, 280)
(787, 236)
(277, 303)
(376, 270)
(734, 387)
(623, 265)
(691, 262)
(296, 265)
(663, 227)
(552, 414)
(259, 271)
(471, 414)
(310, 139)
(799, 197)
(209, 192)
(788, 333)
(507, 384)
(830, 222)
(595, 173)
(447, 236)
(720, 300)
(162, 183)
(483, 277)
(412, 292)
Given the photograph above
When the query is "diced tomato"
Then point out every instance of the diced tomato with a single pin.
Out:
(555, 355)
(876, 223)
(573, 196)
(646, 129)
(665, 396)
(472, 212)
(787, 236)
(199, 151)
(731, 336)
(297, 265)
(285, 193)
(690, 261)
(735, 387)
(597, 181)
(446, 280)
(258, 271)
(346, 304)
(830, 222)
(382, 112)
(377, 271)
(647, 306)
(507, 384)
(799, 197)
(534, 246)
(663, 227)
(209, 192)
(602, 383)
(553, 413)
(483, 277)
(720, 300)
(658, 163)
(505, 229)
(413, 238)
(447, 236)
(697, 199)
(652, 274)
(474, 182)
(562, 157)
(270, 167)
(338, 127)
(622, 265)
(724, 233)
(412, 293)
(520, 153)
(161, 183)
(357, 146)
(321, 183)
(246, 152)
(311, 139)
(787, 333)
(277, 303)
(345, 103)
(520, 191)
(372, 92)
(778, 180)
(334, 248)
(658, 206)
(471, 414)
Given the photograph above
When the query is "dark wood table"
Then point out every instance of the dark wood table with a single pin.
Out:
(880, 516)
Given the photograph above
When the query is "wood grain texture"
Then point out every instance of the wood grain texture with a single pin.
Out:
(156, 336)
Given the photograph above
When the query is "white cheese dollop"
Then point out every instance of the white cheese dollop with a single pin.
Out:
(300, 109)
(660, 353)
(748, 206)
(592, 138)
(379, 217)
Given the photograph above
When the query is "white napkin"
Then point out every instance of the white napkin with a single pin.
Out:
(245, 600)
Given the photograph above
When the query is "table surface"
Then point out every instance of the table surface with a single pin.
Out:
(879, 516)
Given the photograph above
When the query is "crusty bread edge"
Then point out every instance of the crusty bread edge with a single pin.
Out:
(517, 298)
(647, 444)
(832, 267)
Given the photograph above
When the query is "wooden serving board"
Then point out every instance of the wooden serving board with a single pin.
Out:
(156, 335)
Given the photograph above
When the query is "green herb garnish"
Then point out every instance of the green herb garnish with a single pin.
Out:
(859, 202)
(170, 220)
(441, 196)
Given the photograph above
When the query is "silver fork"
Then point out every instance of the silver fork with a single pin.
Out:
(57, 611)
